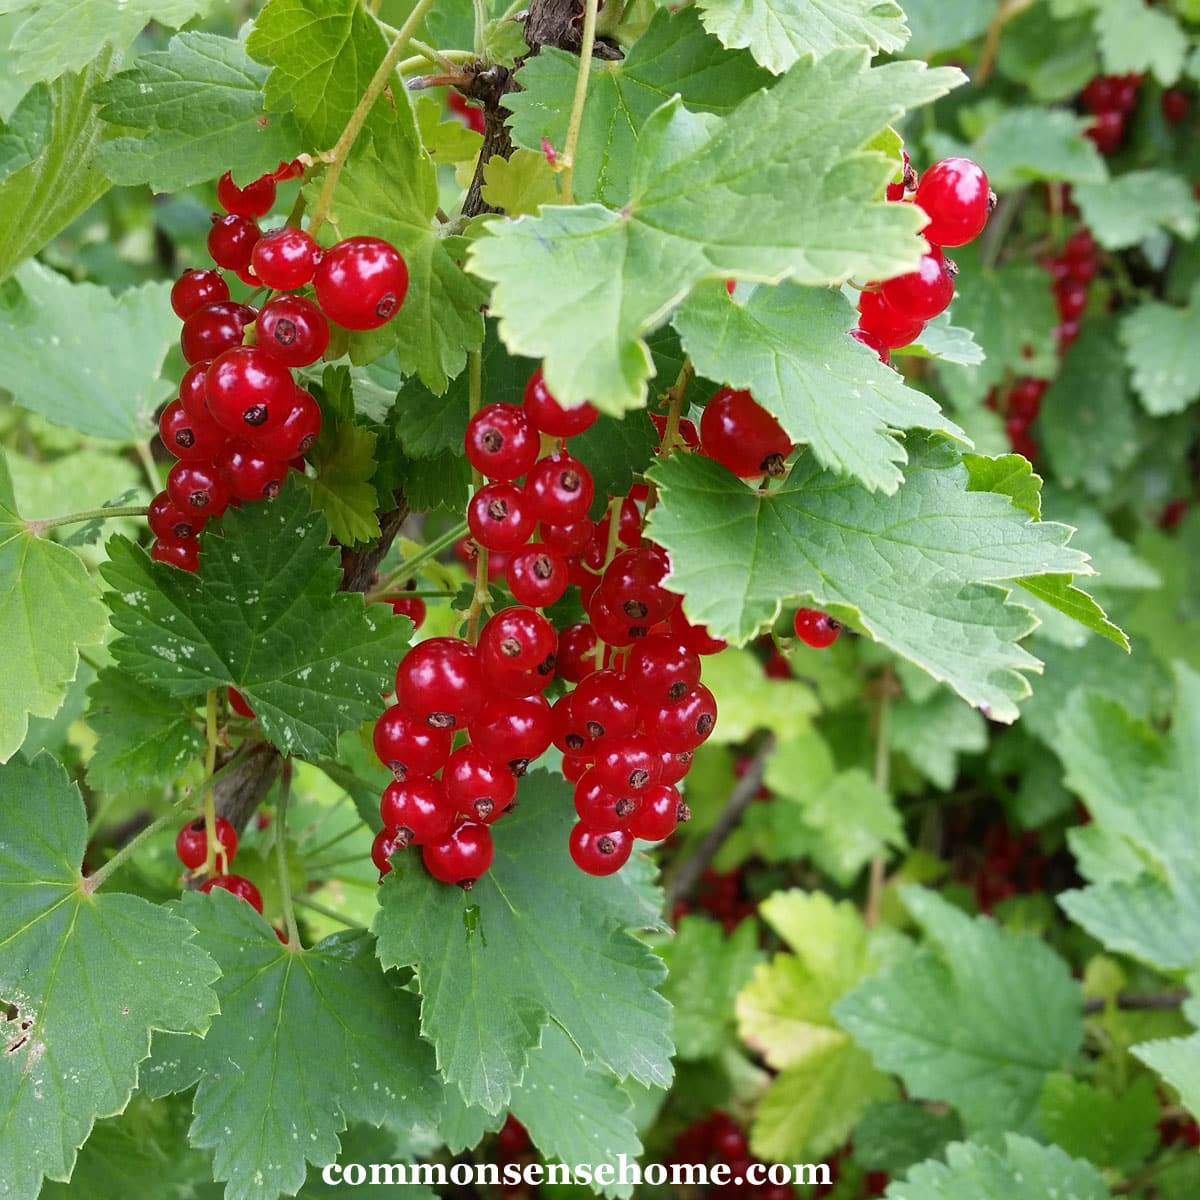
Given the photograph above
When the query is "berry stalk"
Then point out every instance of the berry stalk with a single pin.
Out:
(577, 104)
(281, 861)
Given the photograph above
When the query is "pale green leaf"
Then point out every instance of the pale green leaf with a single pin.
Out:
(1177, 1060)
(1159, 340)
(24, 136)
(1108, 1130)
(949, 343)
(1135, 38)
(749, 700)
(935, 733)
(445, 141)
(344, 460)
(1125, 211)
(520, 185)
(938, 26)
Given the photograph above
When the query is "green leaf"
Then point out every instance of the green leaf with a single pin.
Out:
(143, 737)
(89, 973)
(790, 347)
(756, 195)
(978, 1018)
(306, 1041)
(197, 107)
(1139, 786)
(24, 136)
(47, 194)
(778, 32)
(344, 459)
(1177, 1060)
(1158, 341)
(949, 343)
(749, 700)
(939, 26)
(1125, 211)
(785, 1013)
(84, 358)
(1135, 38)
(1024, 1171)
(322, 54)
(935, 733)
(520, 185)
(614, 450)
(263, 615)
(1053, 59)
(915, 571)
(1110, 1131)
(61, 35)
(446, 141)
(491, 984)
(705, 971)
(48, 609)
(894, 1136)
(673, 57)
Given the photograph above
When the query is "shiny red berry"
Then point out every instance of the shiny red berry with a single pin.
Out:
(183, 553)
(440, 682)
(194, 289)
(361, 282)
(560, 489)
(628, 763)
(954, 194)
(879, 319)
(606, 705)
(659, 814)
(514, 730)
(599, 806)
(408, 747)
(194, 438)
(742, 436)
(694, 637)
(685, 724)
(249, 391)
(247, 473)
(571, 539)
(599, 853)
(238, 703)
(240, 887)
(253, 200)
(576, 655)
(500, 517)
(873, 342)
(213, 329)
(293, 330)
(167, 521)
(477, 787)
(418, 810)
(516, 639)
(551, 417)
(191, 844)
(815, 628)
(925, 292)
(501, 441)
(462, 857)
(231, 241)
(197, 489)
(387, 842)
(294, 436)
(412, 607)
(285, 259)
(662, 670)
(536, 575)
(191, 391)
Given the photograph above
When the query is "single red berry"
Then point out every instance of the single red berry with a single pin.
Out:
(576, 656)
(694, 637)
(878, 318)
(516, 639)
(1175, 105)
(412, 607)
(1071, 299)
(295, 435)
(253, 200)
(1025, 399)
(462, 857)
(361, 282)
(239, 886)
(248, 277)
(238, 703)
(815, 628)
(408, 747)
(191, 844)
(742, 436)
(501, 441)
(873, 342)
(570, 539)
(1101, 93)
(1079, 246)
(598, 806)
(685, 724)
(249, 391)
(606, 705)
(659, 814)
(183, 553)
(167, 521)
(477, 787)
(196, 488)
(567, 733)
(191, 391)
(628, 763)
(512, 1140)
(689, 435)
(500, 517)
(515, 730)
(194, 289)
(574, 767)
(925, 292)
(612, 626)
(1107, 131)
(597, 853)
(231, 241)
(551, 417)
(418, 810)
(293, 330)
(559, 489)
(288, 170)
(631, 587)
(1125, 94)
(470, 115)
(662, 670)
(387, 842)
(247, 473)
(192, 438)
(284, 259)
(954, 194)
(537, 575)
(213, 329)
(441, 683)
(675, 766)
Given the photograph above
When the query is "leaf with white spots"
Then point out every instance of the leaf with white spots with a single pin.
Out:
(307, 1040)
(263, 614)
(1160, 345)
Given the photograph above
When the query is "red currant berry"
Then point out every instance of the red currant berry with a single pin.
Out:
(361, 282)
(197, 489)
(254, 200)
(614, 628)
(694, 637)
(599, 807)
(1100, 94)
(501, 441)
(742, 436)
(632, 588)
(441, 683)
(1025, 399)
(560, 489)
(576, 655)
(1071, 299)
(569, 540)
(925, 292)
(1175, 106)
(242, 888)
(183, 553)
(477, 787)
(387, 842)
(873, 342)
(659, 813)
(285, 259)
(191, 392)
(627, 764)
(231, 241)
(194, 289)
(295, 435)
(878, 318)
(238, 703)
(500, 517)
(574, 767)
(247, 473)
(954, 194)
(191, 844)
(599, 853)
(516, 639)
(551, 417)
(166, 521)
(514, 730)
(248, 390)
(408, 747)
(1107, 131)
(567, 733)
(193, 438)
(537, 575)
(462, 857)
(418, 810)
(662, 670)
(213, 329)
(412, 607)
(675, 765)
(815, 628)
(606, 705)
(685, 724)
(293, 330)
(687, 432)
(469, 114)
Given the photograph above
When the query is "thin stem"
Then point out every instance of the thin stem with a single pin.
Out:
(210, 767)
(41, 524)
(281, 860)
(407, 569)
(1140, 1001)
(991, 46)
(481, 20)
(577, 105)
(149, 465)
(675, 396)
(482, 595)
(446, 59)
(883, 773)
(332, 914)
(358, 118)
(610, 552)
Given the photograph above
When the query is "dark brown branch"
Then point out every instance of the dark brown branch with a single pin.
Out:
(744, 791)
(359, 566)
(1141, 1001)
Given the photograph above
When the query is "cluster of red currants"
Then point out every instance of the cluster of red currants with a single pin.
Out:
(241, 420)
(191, 845)
(717, 1138)
(1111, 99)
(955, 196)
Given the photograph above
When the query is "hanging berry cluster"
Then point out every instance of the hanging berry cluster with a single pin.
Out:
(637, 711)
(1111, 100)
(955, 196)
(192, 847)
(241, 420)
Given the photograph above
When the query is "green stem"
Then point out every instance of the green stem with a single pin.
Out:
(331, 913)
(610, 552)
(358, 118)
(481, 20)
(427, 55)
(482, 595)
(149, 466)
(577, 105)
(883, 774)
(281, 860)
(210, 767)
(41, 524)
(410, 566)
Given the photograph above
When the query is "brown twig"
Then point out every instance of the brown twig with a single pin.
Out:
(1140, 1001)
